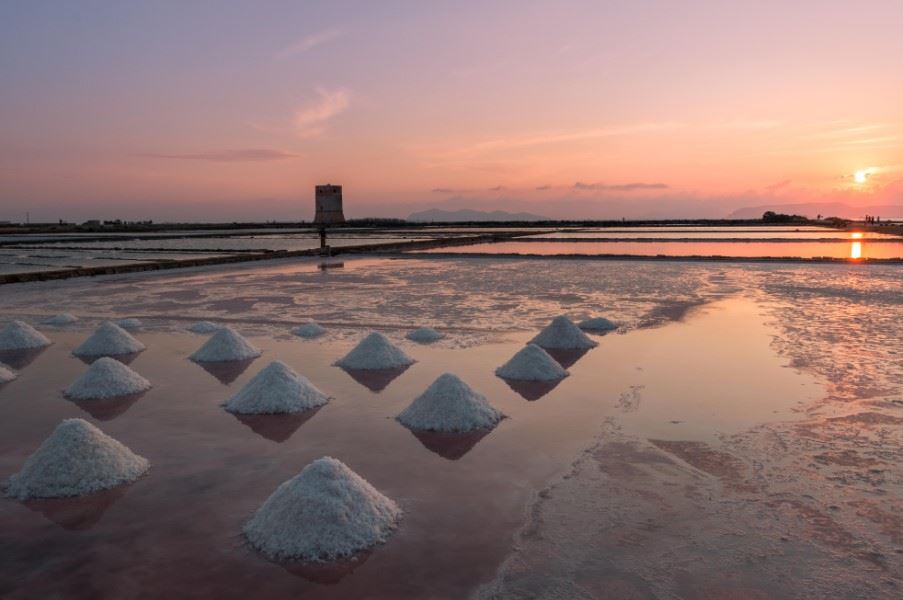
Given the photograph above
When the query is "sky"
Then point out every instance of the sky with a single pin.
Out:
(221, 111)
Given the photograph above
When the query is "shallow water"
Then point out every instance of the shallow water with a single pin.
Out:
(697, 377)
(849, 249)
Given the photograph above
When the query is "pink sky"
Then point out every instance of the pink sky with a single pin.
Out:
(567, 109)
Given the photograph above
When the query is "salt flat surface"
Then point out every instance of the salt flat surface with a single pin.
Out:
(794, 433)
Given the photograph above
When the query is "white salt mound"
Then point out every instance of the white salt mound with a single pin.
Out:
(310, 330)
(77, 459)
(19, 335)
(225, 345)
(424, 335)
(203, 327)
(375, 352)
(562, 333)
(532, 363)
(597, 324)
(129, 323)
(107, 378)
(449, 404)
(109, 339)
(60, 320)
(276, 389)
(6, 374)
(325, 512)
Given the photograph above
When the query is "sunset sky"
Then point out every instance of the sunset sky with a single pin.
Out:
(219, 111)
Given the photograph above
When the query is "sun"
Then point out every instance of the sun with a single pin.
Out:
(861, 176)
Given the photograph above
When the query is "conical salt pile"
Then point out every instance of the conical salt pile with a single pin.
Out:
(77, 459)
(449, 404)
(19, 335)
(225, 345)
(375, 352)
(6, 374)
(532, 363)
(310, 330)
(325, 512)
(203, 327)
(424, 335)
(562, 333)
(597, 324)
(109, 339)
(107, 378)
(276, 389)
(60, 320)
(130, 323)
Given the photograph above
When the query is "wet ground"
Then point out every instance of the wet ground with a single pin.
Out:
(738, 437)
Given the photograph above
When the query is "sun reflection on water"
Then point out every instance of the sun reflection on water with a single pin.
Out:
(856, 250)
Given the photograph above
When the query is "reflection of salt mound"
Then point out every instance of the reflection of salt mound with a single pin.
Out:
(225, 345)
(107, 378)
(531, 363)
(77, 459)
(60, 320)
(129, 323)
(6, 374)
(597, 324)
(562, 333)
(325, 512)
(203, 327)
(19, 335)
(109, 339)
(375, 352)
(276, 389)
(424, 335)
(449, 404)
(310, 330)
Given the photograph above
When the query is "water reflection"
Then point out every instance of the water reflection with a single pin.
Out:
(277, 428)
(375, 380)
(327, 573)
(107, 409)
(79, 513)
(19, 359)
(125, 359)
(856, 250)
(226, 371)
(566, 357)
(531, 390)
(451, 446)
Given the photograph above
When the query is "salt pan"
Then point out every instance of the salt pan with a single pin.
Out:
(19, 335)
(203, 327)
(6, 374)
(60, 320)
(562, 333)
(310, 330)
(107, 378)
(531, 363)
(424, 335)
(276, 389)
(109, 339)
(375, 352)
(449, 404)
(597, 324)
(77, 459)
(325, 512)
(225, 345)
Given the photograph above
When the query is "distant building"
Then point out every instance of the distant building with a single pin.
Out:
(92, 222)
(328, 203)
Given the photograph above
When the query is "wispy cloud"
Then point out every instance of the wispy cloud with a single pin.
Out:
(311, 120)
(246, 155)
(620, 187)
(309, 42)
(542, 188)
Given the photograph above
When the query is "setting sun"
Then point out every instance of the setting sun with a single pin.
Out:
(861, 176)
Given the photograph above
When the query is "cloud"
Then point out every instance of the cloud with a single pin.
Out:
(497, 188)
(776, 187)
(542, 188)
(311, 120)
(622, 187)
(246, 155)
(309, 42)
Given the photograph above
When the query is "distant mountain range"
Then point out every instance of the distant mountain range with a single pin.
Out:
(437, 215)
(825, 209)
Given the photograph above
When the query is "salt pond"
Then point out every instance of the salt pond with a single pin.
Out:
(740, 443)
